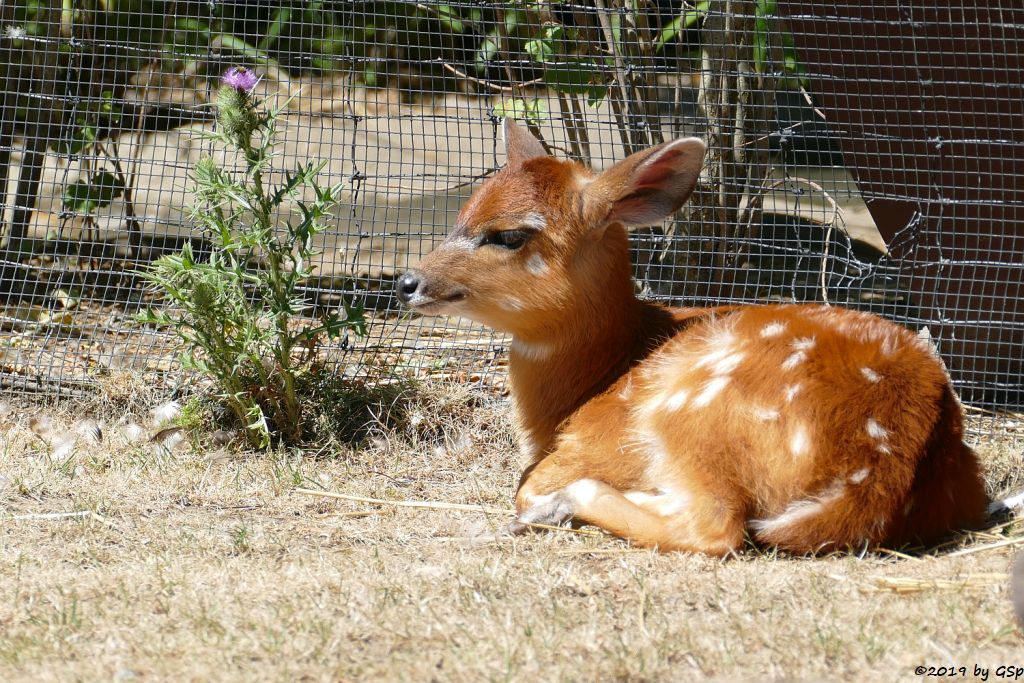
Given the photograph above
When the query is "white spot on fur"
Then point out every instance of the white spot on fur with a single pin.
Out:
(870, 375)
(860, 475)
(535, 351)
(798, 511)
(803, 344)
(726, 365)
(794, 359)
(665, 502)
(875, 430)
(791, 391)
(583, 492)
(765, 414)
(883, 449)
(677, 400)
(714, 357)
(712, 388)
(773, 329)
(799, 443)
(536, 265)
(800, 348)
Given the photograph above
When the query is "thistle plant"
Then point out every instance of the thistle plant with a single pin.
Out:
(239, 311)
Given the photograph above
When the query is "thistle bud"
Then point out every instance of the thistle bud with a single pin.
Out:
(236, 111)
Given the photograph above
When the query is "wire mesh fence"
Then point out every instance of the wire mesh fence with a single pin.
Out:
(861, 156)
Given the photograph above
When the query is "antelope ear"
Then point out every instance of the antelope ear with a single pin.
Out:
(647, 187)
(520, 145)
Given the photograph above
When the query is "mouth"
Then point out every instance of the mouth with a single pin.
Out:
(433, 306)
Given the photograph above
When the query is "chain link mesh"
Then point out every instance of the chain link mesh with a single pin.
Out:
(864, 156)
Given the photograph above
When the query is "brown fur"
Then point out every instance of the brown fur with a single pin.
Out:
(810, 427)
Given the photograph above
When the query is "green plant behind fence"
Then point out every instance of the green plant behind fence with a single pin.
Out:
(239, 310)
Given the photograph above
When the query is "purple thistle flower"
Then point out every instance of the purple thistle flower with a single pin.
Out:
(240, 78)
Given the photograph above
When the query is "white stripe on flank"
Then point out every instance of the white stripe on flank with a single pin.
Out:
(798, 511)
(676, 400)
(711, 389)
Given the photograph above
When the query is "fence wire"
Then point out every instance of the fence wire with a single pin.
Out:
(863, 156)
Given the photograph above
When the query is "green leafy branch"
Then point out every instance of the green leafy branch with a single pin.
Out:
(240, 311)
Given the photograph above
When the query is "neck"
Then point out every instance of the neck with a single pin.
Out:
(557, 369)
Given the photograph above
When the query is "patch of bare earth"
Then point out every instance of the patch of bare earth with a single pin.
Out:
(126, 558)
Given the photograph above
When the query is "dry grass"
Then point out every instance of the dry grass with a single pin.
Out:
(127, 559)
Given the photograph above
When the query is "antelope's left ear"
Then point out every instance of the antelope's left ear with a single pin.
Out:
(520, 145)
(647, 187)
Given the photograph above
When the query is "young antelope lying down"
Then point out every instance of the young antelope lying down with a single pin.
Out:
(810, 428)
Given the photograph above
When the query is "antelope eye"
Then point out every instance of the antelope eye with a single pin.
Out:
(508, 239)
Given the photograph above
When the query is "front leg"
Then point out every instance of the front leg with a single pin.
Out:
(552, 494)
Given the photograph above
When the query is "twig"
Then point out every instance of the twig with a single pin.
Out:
(54, 515)
(896, 553)
(426, 504)
(603, 551)
(989, 546)
(488, 84)
(433, 505)
(569, 529)
(837, 218)
(355, 513)
(903, 584)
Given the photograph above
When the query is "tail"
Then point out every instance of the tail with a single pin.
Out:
(948, 492)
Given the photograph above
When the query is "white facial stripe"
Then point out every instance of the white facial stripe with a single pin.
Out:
(534, 221)
(512, 303)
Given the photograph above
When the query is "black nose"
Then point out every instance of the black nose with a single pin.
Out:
(407, 286)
